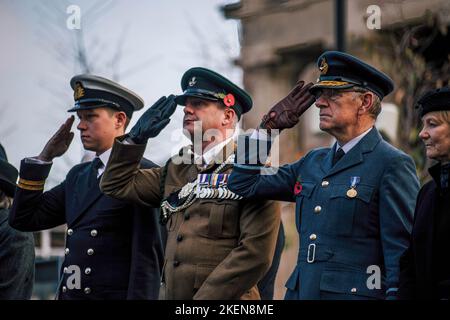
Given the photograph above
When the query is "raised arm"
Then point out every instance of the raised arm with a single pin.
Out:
(122, 178)
(249, 178)
(32, 208)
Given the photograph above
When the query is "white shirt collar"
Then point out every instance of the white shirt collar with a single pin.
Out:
(349, 145)
(211, 154)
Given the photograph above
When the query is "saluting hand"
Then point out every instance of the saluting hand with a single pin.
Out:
(59, 143)
(156, 118)
(285, 113)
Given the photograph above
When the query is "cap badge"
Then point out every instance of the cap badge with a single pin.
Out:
(78, 91)
(323, 66)
(192, 81)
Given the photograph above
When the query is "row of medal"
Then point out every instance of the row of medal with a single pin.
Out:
(214, 186)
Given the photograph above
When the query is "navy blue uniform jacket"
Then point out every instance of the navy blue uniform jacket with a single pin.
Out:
(116, 246)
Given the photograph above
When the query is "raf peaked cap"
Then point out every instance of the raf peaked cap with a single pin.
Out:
(207, 84)
(8, 174)
(434, 100)
(340, 70)
(95, 92)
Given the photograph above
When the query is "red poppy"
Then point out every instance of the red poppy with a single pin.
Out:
(228, 100)
(297, 188)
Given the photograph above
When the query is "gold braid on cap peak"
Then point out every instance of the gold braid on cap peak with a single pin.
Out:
(332, 83)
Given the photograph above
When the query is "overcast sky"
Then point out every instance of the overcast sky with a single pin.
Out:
(157, 40)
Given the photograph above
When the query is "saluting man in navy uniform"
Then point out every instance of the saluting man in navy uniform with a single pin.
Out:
(355, 200)
(113, 249)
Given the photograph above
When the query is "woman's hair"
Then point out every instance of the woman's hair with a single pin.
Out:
(5, 201)
(444, 115)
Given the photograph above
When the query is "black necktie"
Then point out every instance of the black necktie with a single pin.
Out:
(338, 155)
(95, 165)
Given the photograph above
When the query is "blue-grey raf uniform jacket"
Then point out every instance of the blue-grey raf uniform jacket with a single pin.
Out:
(116, 245)
(343, 239)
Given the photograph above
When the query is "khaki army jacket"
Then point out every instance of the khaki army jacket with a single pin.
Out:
(216, 248)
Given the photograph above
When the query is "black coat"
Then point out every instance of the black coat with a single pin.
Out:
(113, 248)
(16, 261)
(416, 265)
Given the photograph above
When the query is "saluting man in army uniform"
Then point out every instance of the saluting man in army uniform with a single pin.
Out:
(355, 200)
(218, 247)
(113, 249)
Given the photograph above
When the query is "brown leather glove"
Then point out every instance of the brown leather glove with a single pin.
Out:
(285, 113)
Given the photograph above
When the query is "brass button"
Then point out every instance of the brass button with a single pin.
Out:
(66, 270)
(317, 209)
(313, 236)
(90, 252)
(353, 290)
(325, 183)
(94, 233)
(87, 290)
(64, 289)
(66, 251)
(69, 232)
(87, 271)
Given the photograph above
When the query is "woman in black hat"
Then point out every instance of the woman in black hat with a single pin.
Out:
(425, 267)
(16, 248)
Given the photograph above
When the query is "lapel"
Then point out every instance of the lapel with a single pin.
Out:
(326, 163)
(87, 191)
(354, 156)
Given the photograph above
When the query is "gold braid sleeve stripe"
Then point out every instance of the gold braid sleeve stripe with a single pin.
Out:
(31, 185)
(31, 182)
(27, 187)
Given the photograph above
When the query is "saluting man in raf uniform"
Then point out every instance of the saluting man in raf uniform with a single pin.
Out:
(217, 247)
(355, 200)
(113, 248)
